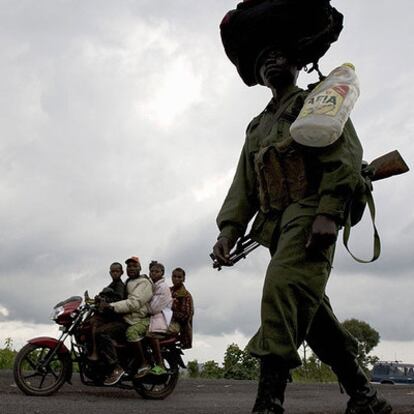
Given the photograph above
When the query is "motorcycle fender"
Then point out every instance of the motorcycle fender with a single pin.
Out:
(181, 362)
(173, 355)
(50, 342)
(178, 358)
(53, 343)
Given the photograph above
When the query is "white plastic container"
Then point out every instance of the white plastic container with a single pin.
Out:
(327, 108)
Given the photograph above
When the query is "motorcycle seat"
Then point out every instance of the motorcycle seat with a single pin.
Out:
(169, 340)
(119, 345)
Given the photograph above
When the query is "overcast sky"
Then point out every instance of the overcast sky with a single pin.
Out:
(121, 126)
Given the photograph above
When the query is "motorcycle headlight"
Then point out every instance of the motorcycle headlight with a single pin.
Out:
(56, 312)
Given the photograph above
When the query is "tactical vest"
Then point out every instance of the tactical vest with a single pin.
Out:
(284, 171)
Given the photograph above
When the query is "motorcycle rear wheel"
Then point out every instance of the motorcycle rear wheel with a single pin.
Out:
(153, 387)
(32, 377)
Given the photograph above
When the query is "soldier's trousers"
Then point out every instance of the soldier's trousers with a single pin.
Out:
(294, 304)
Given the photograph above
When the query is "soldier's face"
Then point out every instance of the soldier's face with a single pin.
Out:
(276, 70)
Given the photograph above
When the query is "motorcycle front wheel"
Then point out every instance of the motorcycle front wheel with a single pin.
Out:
(158, 387)
(33, 376)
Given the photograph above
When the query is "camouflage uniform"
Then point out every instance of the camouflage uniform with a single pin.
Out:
(315, 181)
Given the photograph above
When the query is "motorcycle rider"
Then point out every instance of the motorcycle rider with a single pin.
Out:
(135, 321)
(113, 292)
(116, 289)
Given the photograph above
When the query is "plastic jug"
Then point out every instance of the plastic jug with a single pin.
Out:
(327, 108)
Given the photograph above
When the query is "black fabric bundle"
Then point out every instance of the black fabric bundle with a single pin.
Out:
(303, 29)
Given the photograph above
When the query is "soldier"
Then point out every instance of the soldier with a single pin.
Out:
(301, 197)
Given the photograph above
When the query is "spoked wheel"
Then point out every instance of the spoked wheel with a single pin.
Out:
(158, 387)
(31, 374)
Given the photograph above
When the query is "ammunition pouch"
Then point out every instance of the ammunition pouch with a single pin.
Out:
(358, 203)
(281, 176)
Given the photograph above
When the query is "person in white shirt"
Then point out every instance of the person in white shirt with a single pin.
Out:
(160, 312)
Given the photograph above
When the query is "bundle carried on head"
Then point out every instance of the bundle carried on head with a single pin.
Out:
(303, 29)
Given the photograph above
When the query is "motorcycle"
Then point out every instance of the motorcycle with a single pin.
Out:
(44, 364)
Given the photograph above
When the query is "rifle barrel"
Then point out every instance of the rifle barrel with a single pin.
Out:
(241, 251)
(242, 255)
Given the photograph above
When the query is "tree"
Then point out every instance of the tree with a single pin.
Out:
(7, 354)
(313, 370)
(305, 347)
(211, 369)
(193, 369)
(368, 338)
(239, 364)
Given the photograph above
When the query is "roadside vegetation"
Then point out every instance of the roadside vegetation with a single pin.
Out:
(7, 354)
(239, 365)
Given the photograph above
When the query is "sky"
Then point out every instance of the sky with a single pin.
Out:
(121, 125)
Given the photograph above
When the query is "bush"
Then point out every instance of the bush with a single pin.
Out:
(193, 369)
(313, 370)
(7, 355)
(211, 369)
(239, 364)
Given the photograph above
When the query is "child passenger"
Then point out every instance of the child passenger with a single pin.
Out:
(160, 310)
(183, 309)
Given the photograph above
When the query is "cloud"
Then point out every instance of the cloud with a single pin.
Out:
(19, 332)
(3, 311)
(380, 302)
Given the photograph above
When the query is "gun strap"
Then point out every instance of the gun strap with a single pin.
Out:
(377, 241)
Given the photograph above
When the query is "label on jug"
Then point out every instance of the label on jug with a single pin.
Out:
(327, 102)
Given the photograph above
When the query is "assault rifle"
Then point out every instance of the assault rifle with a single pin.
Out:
(385, 166)
(244, 246)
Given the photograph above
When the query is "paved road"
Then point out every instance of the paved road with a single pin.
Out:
(190, 397)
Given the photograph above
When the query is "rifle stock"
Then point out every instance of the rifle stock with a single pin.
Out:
(386, 166)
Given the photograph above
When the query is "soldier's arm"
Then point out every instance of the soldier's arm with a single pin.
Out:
(340, 167)
(238, 208)
(240, 204)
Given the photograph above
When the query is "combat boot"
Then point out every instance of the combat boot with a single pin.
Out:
(366, 405)
(271, 388)
(364, 398)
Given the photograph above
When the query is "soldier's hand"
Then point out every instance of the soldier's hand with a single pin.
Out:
(323, 234)
(222, 251)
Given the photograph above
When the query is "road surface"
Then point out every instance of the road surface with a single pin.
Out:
(190, 397)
